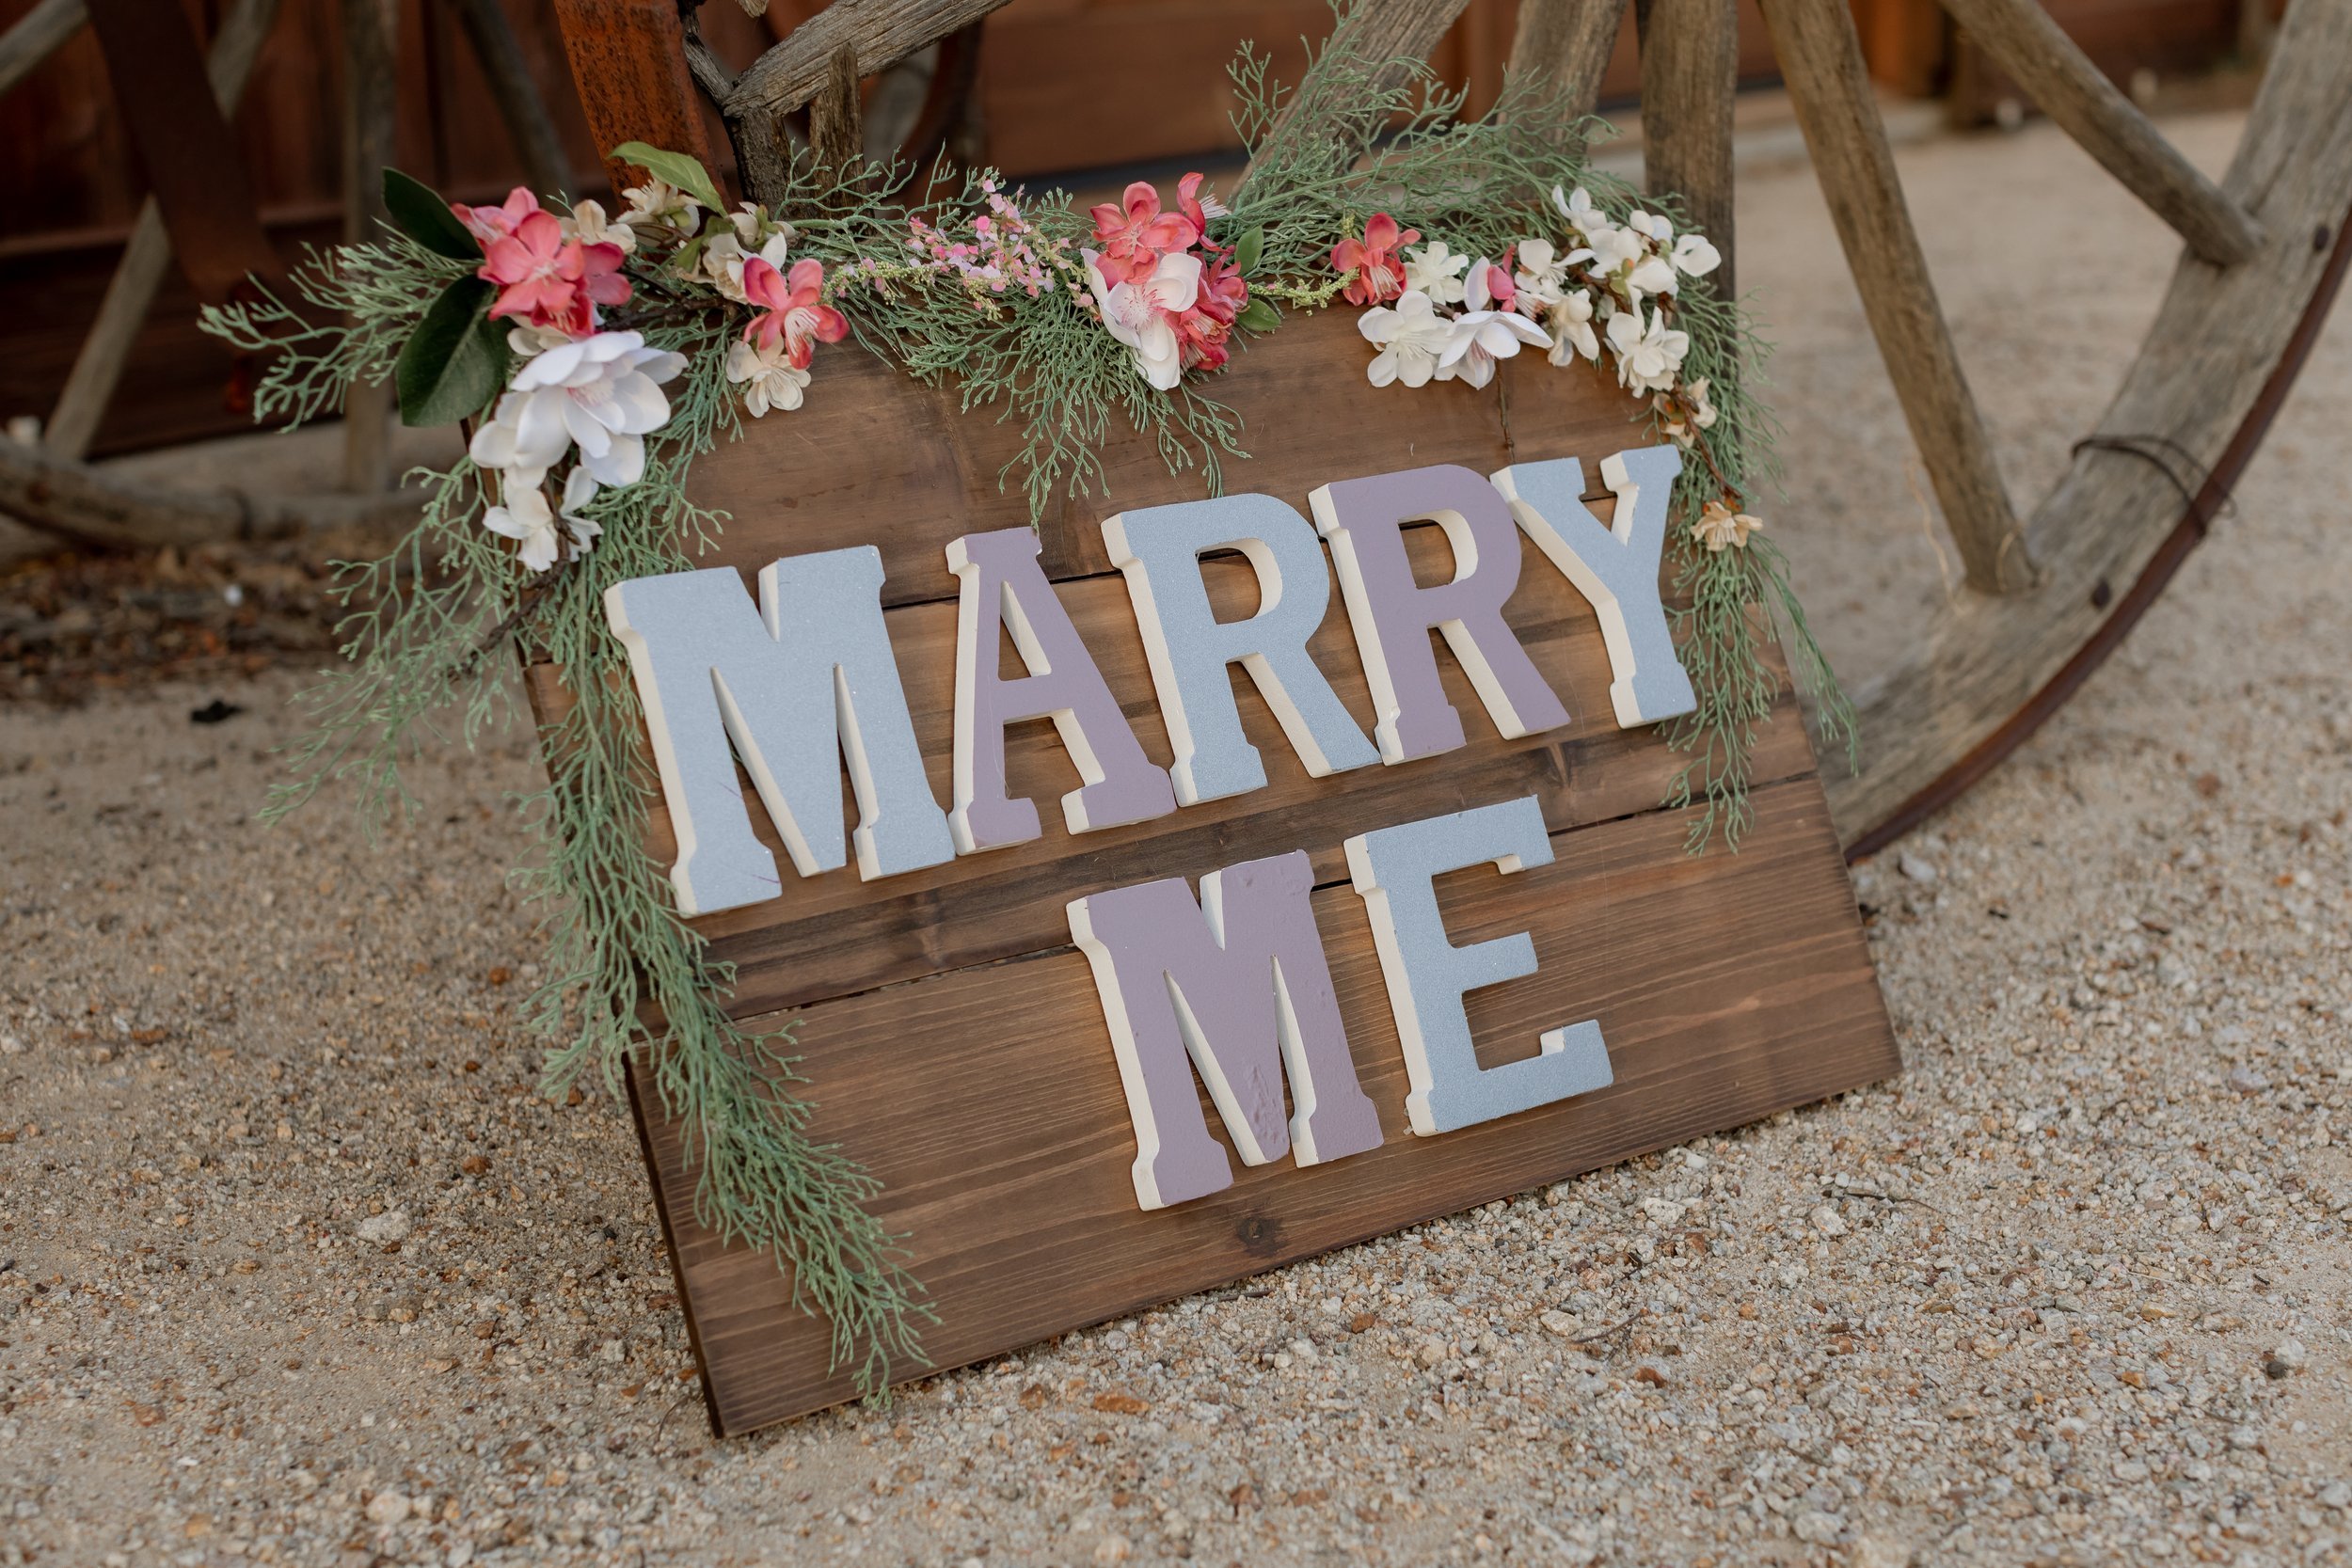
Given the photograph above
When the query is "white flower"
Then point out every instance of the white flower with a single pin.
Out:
(658, 204)
(769, 380)
(1571, 322)
(1481, 337)
(1719, 528)
(1542, 274)
(1141, 312)
(527, 517)
(1434, 271)
(1696, 255)
(1702, 411)
(755, 229)
(1613, 248)
(1579, 209)
(1651, 226)
(603, 392)
(723, 257)
(1648, 352)
(587, 225)
(527, 340)
(1410, 337)
(1651, 275)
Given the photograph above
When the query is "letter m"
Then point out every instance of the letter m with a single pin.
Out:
(1238, 983)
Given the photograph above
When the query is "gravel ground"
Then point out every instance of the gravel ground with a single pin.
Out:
(295, 1266)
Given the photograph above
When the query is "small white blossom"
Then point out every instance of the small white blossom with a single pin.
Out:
(1579, 209)
(658, 204)
(1652, 227)
(1696, 255)
(768, 379)
(723, 257)
(586, 223)
(1437, 272)
(1647, 351)
(1410, 337)
(1614, 249)
(603, 392)
(1542, 274)
(1481, 337)
(527, 517)
(1651, 275)
(1570, 319)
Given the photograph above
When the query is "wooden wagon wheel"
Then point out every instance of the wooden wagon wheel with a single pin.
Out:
(2049, 594)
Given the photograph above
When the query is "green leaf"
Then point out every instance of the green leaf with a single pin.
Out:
(686, 173)
(455, 362)
(1246, 250)
(1259, 316)
(419, 212)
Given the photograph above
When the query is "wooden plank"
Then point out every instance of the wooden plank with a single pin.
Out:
(878, 33)
(2078, 95)
(1309, 417)
(831, 934)
(1836, 109)
(1690, 72)
(371, 103)
(628, 60)
(1726, 988)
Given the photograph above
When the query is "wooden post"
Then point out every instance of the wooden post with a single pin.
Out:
(370, 94)
(98, 368)
(36, 35)
(1690, 71)
(628, 59)
(1821, 58)
(1567, 43)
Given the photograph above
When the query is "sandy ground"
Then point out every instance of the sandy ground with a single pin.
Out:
(295, 1266)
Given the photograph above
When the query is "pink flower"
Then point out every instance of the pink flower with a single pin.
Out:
(1379, 275)
(1490, 287)
(1223, 293)
(550, 281)
(1198, 210)
(1136, 233)
(796, 314)
(492, 224)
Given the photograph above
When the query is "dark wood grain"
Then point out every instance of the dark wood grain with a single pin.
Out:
(987, 1101)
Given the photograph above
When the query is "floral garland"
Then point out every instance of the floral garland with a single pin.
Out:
(598, 355)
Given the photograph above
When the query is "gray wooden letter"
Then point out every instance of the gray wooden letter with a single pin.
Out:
(1364, 519)
(1239, 983)
(1614, 565)
(1159, 549)
(803, 680)
(1395, 870)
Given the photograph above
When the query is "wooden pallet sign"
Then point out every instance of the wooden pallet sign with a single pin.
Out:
(1188, 886)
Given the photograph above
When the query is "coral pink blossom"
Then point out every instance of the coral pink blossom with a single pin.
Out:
(1379, 273)
(795, 314)
(1202, 332)
(492, 224)
(550, 281)
(1188, 200)
(1135, 234)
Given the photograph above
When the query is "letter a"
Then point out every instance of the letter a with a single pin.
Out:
(1238, 982)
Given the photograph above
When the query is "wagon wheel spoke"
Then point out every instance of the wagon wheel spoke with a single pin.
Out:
(1820, 58)
(2076, 94)
(36, 35)
(1690, 71)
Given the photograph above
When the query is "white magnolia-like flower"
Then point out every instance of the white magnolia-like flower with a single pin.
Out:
(768, 379)
(1141, 312)
(1648, 352)
(1696, 255)
(603, 392)
(1482, 337)
(1434, 271)
(527, 517)
(1570, 319)
(658, 204)
(1719, 528)
(587, 225)
(1410, 337)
